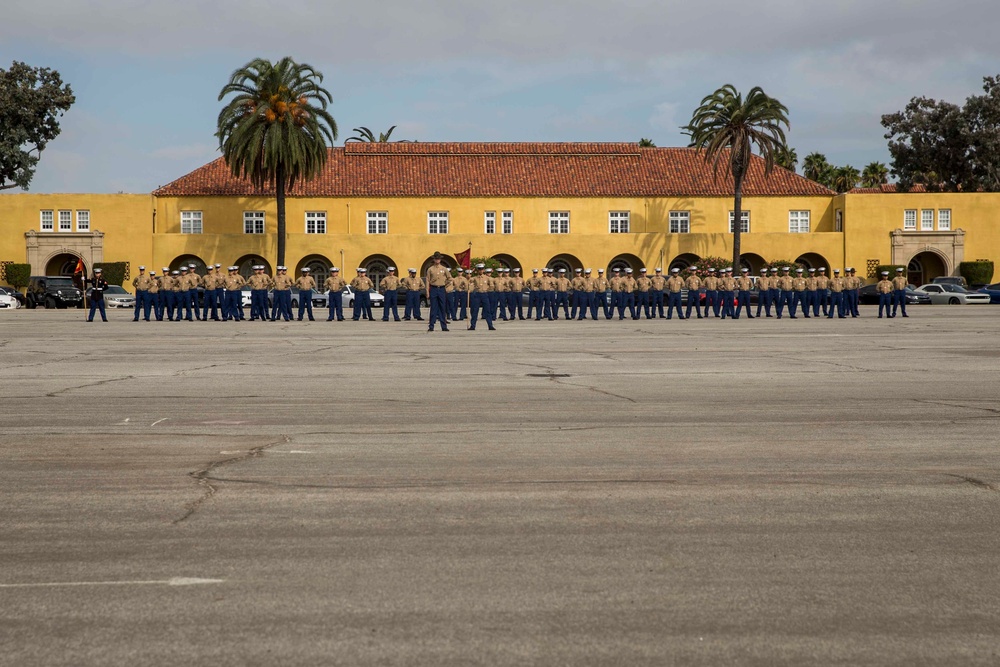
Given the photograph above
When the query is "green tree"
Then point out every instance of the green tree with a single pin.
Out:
(646, 143)
(787, 158)
(816, 168)
(845, 178)
(727, 127)
(274, 130)
(874, 175)
(31, 101)
(363, 134)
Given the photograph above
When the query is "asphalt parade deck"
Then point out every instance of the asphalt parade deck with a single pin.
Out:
(581, 493)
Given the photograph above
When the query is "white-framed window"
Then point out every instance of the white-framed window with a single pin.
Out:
(680, 222)
(927, 220)
(490, 222)
(798, 222)
(944, 219)
(315, 222)
(378, 222)
(910, 220)
(437, 222)
(65, 221)
(507, 223)
(47, 223)
(838, 218)
(253, 222)
(744, 224)
(83, 221)
(191, 222)
(618, 222)
(558, 222)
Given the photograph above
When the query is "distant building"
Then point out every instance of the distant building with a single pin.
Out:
(565, 205)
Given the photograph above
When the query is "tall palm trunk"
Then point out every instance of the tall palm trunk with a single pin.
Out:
(738, 175)
(280, 193)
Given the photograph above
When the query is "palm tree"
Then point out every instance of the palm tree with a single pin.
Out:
(815, 167)
(646, 143)
(365, 135)
(787, 158)
(874, 175)
(845, 178)
(274, 131)
(726, 127)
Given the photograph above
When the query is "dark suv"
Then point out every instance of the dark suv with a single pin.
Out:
(53, 292)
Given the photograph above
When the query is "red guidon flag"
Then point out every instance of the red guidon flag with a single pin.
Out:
(78, 274)
(464, 258)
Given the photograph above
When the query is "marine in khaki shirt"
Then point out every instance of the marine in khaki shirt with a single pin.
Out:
(142, 281)
(335, 283)
(305, 282)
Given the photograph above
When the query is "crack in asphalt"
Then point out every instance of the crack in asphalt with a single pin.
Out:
(978, 483)
(55, 394)
(204, 479)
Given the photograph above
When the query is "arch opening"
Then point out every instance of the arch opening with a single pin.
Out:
(565, 261)
(626, 261)
(683, 261)
(812, 260)
(246, 262)
(63, 264)
(188, 260)
(925, 267)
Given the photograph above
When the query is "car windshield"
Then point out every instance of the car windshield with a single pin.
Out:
(116, 289)
(952, 288)
(59, 282)
(994, 286)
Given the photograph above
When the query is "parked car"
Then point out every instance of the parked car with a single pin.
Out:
(7, 300)
(53, 292)
(348, 298)
(952, 294)
(116, 296)
(401, 298)
(950, 280)
(318, 298)
(868, 295)
(13, 295)
(993, 291)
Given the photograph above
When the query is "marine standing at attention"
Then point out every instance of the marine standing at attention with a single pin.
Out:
(389, 287)
(306, 285)
(437, 278)
(141, 284)
(335, 294)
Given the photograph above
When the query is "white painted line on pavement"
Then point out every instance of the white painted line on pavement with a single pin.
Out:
(223, 422)
(159, 420)
(175, 581)
(124, 421)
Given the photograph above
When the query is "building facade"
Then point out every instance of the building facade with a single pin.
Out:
(528, 205)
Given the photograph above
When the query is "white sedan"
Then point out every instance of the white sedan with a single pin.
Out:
(952, 294)
(348, 298)
(8, 300)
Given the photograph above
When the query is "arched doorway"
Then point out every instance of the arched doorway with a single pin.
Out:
(625, 261)
(925, 267)
(755, 262)
(683, 261)
(318, 265)
(508, 261)
(247, 262)
(188, 260)
(377, 267)
(63, 264)
(564, 261)
(812, 260)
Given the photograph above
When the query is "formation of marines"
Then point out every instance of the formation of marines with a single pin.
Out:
(482, 293)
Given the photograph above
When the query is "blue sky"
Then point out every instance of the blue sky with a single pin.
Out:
(147, 74)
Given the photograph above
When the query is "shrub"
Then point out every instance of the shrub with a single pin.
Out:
(114, 272)
(713, 263)
(891, 268)
(488, 261)
(18, 275)
(979, 272)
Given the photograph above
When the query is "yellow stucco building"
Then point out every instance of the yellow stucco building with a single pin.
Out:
(527, 204)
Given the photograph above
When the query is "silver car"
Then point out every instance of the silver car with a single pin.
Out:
(116, 296)
(952, 294)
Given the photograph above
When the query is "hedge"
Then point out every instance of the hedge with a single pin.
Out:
(18, 275)
(780, 263)
(114, 272)
(891, 268)
(977, 273)
(713, 263)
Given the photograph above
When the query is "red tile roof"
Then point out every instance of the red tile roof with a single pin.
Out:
(885, 188)
(506, 170)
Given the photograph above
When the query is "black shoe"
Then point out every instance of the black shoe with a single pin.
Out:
(905, 315)
(137, 319)
(385, 319)
(445, 329)
(493, 328)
